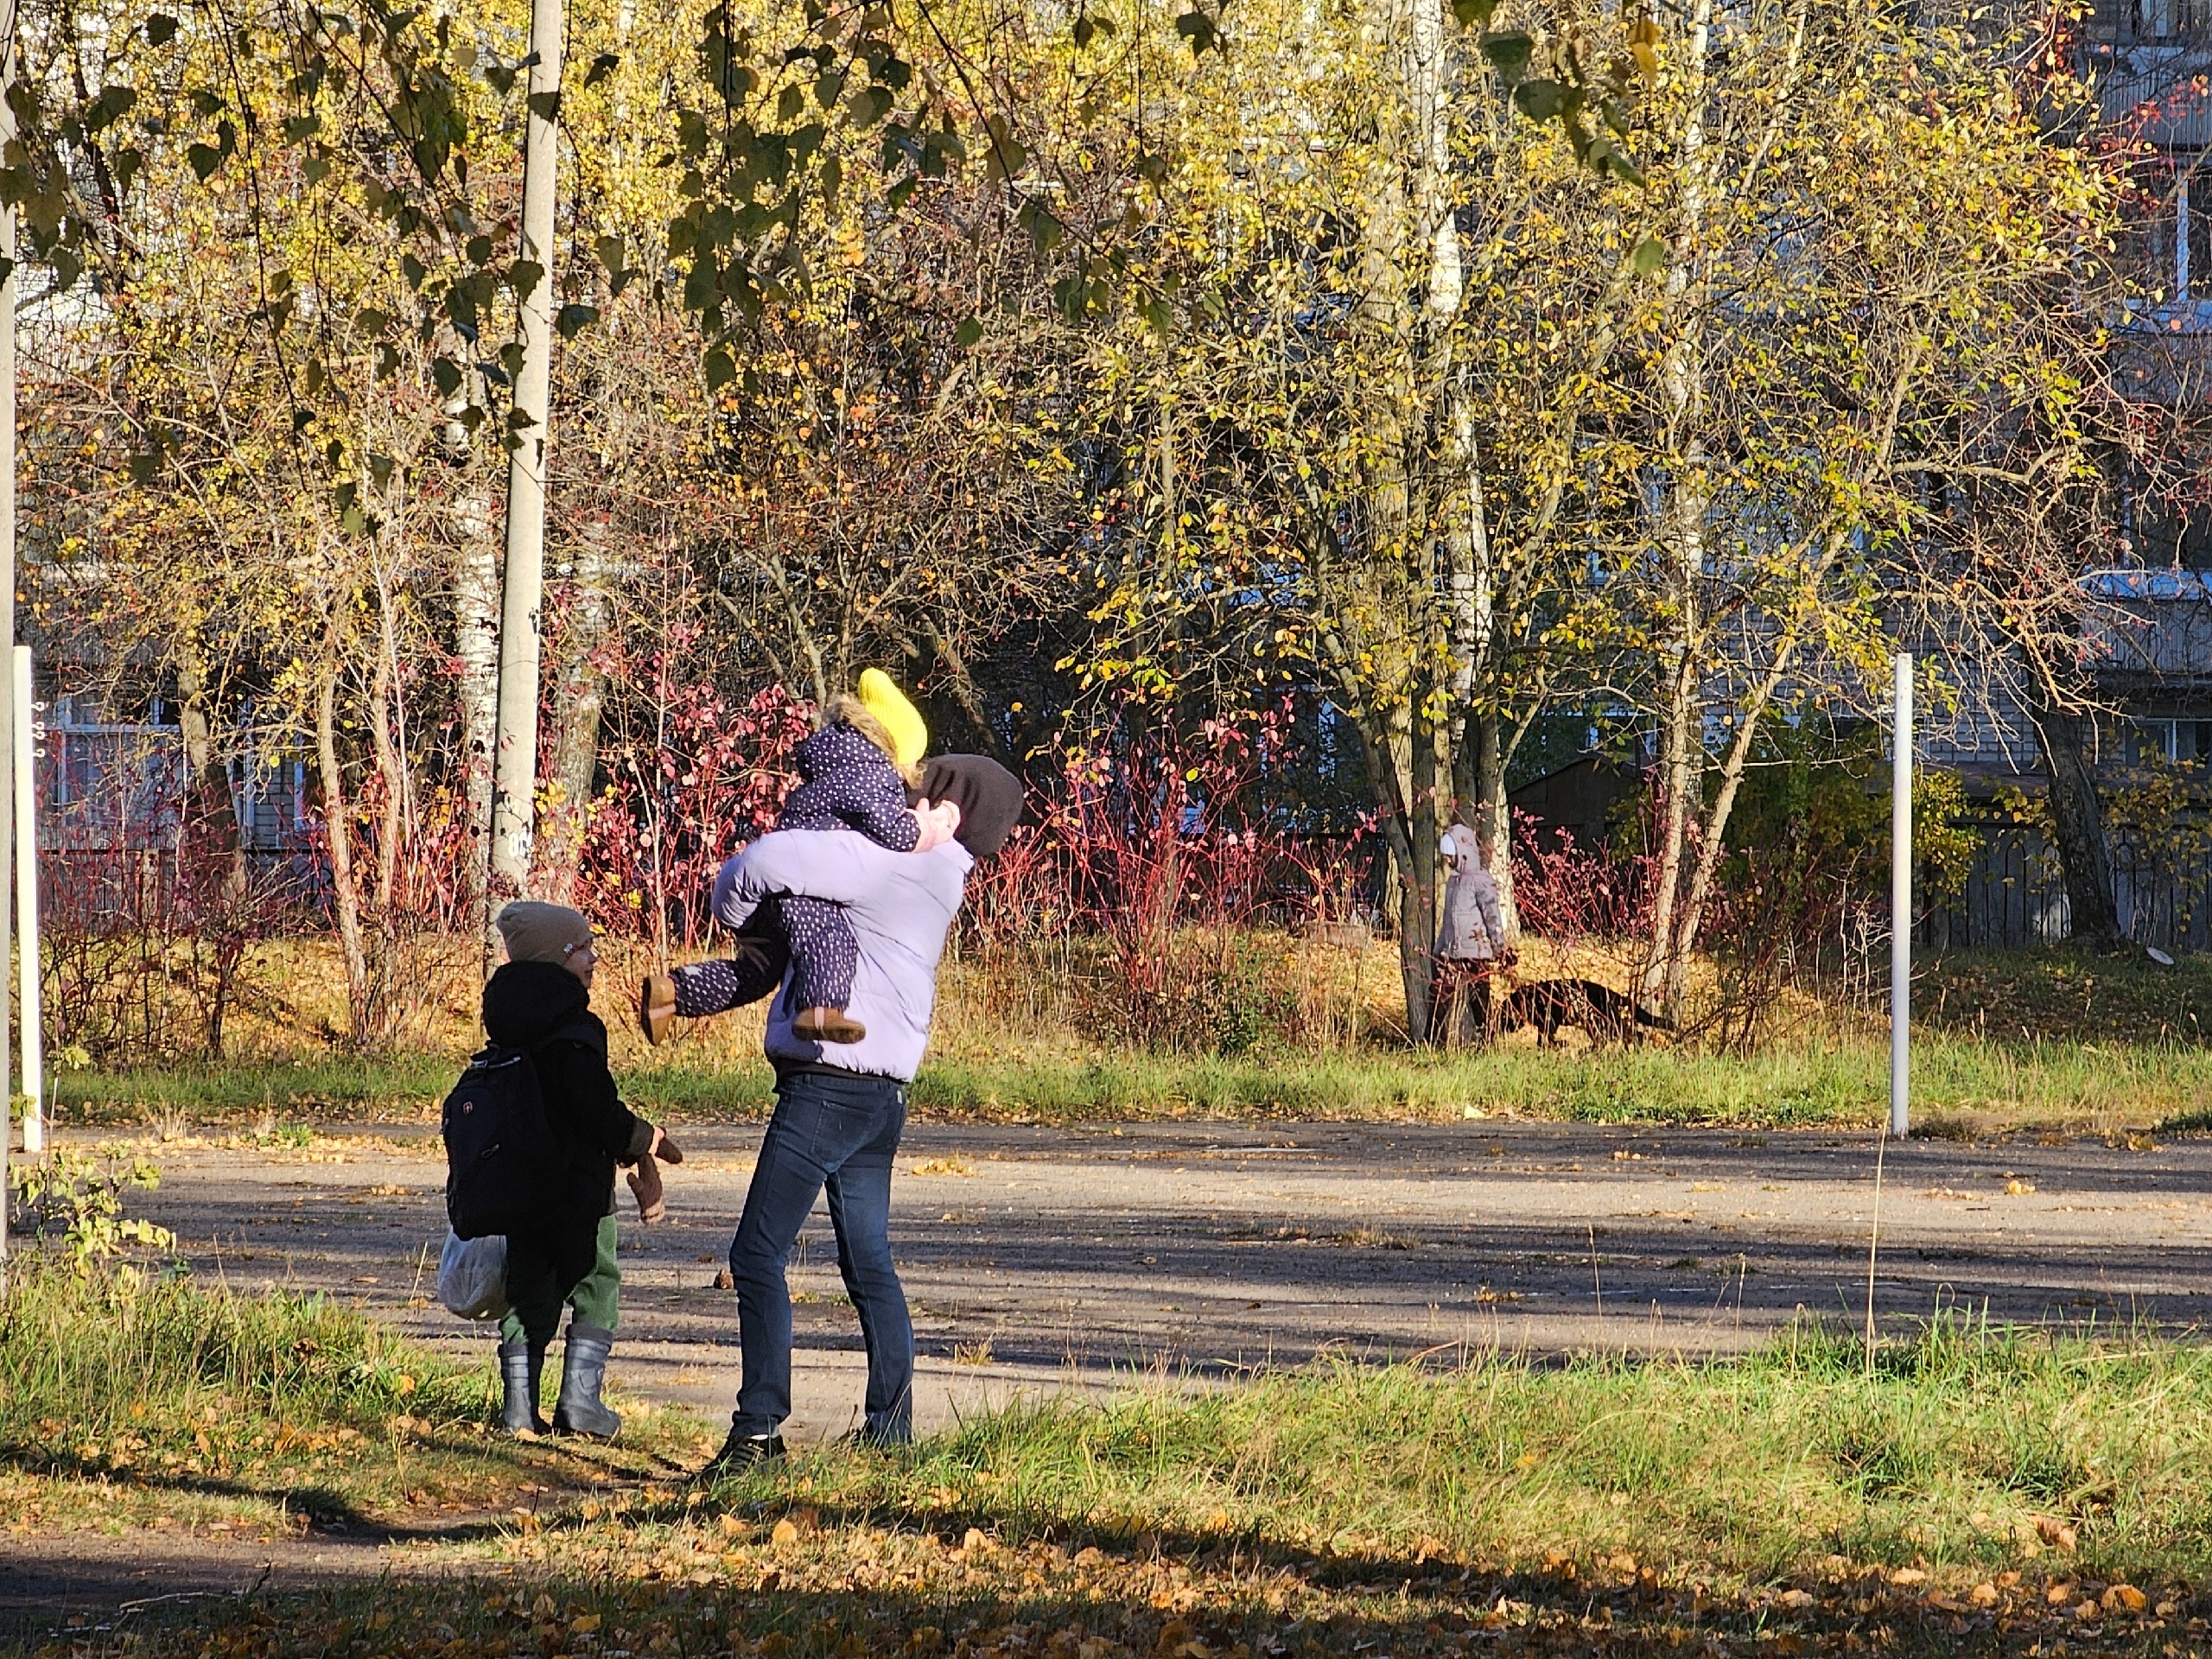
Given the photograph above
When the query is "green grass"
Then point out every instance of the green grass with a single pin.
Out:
(1744, 1472)
(2055, 1037)
(2051, 1036)
(1980, 1489)
(2065, 993)
(1806, 1083)
(131, 1399)
(1946, 1454)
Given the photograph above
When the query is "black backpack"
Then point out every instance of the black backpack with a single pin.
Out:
(499, 1152)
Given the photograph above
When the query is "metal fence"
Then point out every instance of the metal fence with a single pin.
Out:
(2015, 895)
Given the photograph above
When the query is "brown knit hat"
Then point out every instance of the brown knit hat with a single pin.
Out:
(989, 796)
(536, 931)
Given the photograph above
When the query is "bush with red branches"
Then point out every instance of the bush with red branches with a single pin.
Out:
(1169, 842)
(711, 776)
(1569, 891)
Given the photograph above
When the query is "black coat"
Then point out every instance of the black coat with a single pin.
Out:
(542, 1008)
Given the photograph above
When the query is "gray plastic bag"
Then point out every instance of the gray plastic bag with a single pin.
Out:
(473, 1276)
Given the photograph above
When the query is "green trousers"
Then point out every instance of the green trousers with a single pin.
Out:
(597, 1301)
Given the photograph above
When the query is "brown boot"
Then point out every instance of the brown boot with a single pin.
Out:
(656, 1007)
(827, 1025)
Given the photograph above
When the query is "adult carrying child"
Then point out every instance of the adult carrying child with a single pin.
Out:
(858, 771)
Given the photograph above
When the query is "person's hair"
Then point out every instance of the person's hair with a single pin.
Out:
(849, 710)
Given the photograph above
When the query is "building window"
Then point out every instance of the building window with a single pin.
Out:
(2195, 242)
(2138, 740)
(2170, 236)
(2166, 20)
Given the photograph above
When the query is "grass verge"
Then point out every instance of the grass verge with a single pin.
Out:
(2009, 1082)
(1965, 1452)
(132, 1404)
(2047, 1038)
(1977, 1490)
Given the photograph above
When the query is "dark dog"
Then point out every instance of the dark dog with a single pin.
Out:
(1605, 1014)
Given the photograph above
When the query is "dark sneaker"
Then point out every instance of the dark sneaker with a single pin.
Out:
(740, 1453)
(656, 1007)
(827, 1025)
(862, 1439)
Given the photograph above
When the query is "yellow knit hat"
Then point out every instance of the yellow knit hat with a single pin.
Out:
(910, 736)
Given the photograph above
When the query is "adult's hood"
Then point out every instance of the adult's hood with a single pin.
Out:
(525, 1002)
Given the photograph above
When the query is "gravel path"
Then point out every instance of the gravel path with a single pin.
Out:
(1046, 1259)
(1051, 1261)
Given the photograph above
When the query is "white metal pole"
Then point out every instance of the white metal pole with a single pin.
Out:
(27, 989)
(7, 567)
(514, 766)
(1901, 902)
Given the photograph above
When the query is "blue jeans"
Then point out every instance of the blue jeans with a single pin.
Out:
(842, 1133)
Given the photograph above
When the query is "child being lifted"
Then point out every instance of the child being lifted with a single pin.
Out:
(854, 772)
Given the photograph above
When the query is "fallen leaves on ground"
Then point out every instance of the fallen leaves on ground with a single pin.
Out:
(660, 1573)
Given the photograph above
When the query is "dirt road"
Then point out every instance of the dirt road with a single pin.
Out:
(1048, 1259)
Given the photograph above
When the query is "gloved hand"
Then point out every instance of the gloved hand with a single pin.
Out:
(646, 1187)
(664, 1149)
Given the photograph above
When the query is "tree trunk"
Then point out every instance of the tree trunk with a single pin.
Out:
(1478, 748)
(476, 647)
(2077, 823)
(1680, 773)
(390, 773)
(211, 811)
(1426, 867)
(345, 885)
(1492, 817)
(579, 693)
(1416, 903)
(1681, 388)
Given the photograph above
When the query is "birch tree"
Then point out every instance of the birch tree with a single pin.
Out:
(1865, 227)
(1362, 452)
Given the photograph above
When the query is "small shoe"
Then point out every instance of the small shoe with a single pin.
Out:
(827, 1025)
(656, 1008)
(740, 1452)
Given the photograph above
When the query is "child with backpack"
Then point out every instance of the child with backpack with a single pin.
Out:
(561, 1236)
(855, 771)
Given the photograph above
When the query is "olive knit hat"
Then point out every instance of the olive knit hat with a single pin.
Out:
(536, 931)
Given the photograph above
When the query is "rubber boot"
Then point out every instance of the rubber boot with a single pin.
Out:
(521, 1365)
(583, 1370)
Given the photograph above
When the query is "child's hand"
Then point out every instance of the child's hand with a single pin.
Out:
(646, 1187)
(664, 1149)
(940, 821)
